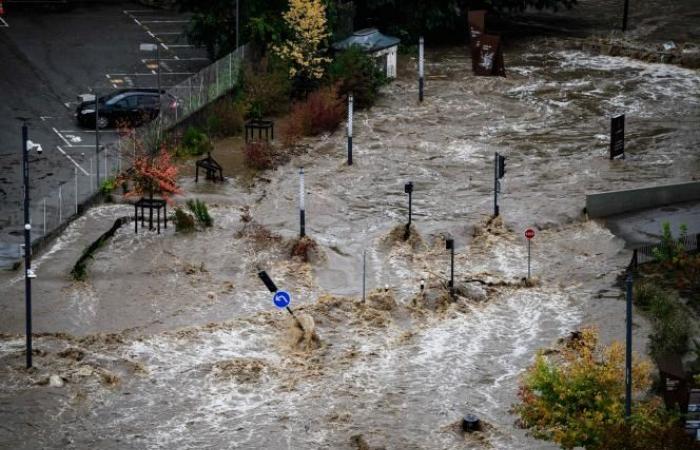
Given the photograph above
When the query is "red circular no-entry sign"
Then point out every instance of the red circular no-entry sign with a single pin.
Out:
(529, 233)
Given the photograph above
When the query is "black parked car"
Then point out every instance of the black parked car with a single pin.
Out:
(126, 106)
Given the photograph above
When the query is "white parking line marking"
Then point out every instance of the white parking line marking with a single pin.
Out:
(169, 33)
(108, 76)
(176, 58)
(67, 105)
(4, 24)
(72, 160)
(43, 118)
(61, 136)
(164, 46)
(165, 21)
(150, 33)
(88, 131)
(179, 46)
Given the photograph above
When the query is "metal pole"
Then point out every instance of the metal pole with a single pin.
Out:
(420, 68)
(302, 213)
(237, 10)
(75, 170)
(528, 259)
(60, 203)
(452, 270)
(350, 113)
(410, 209)
(106, 172)
(27, 246)
(364, 274)
(628, 352)
(97, 139)
(624, 15)
(160, 97)
(44, 201)
(91, 171)
(495, 185)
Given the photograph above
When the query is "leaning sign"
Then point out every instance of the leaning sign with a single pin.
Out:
(617, 136)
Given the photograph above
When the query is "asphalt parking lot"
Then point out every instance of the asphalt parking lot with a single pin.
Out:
(49, 58)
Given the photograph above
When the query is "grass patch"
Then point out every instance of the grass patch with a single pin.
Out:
(201, 212)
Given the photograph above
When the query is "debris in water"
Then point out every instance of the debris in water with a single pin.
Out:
(305, 249)
(395, 237)
(302, 332)
(243, 370)
(55, 381)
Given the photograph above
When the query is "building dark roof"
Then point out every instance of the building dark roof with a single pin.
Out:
(370, 39)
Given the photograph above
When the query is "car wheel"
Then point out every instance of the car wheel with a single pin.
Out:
(102, 122)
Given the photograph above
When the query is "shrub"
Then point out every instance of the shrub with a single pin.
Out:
(184, 222)
(322, 111)
(259, 155)
(108, 185)
(267, 88)
(226, 117)
(670, 250)
(201, 212)
(669, 319)
(355, 71)
(577, 397)
(194, 143)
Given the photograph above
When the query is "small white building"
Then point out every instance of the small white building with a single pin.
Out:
(382, 48)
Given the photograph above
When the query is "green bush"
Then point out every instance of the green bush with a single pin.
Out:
(668, 316)
(184, 221)
(108, 185)
(201, 212)
(670, 249)
(355, 71)
(226, 117)
(194, 143)
(266, 88)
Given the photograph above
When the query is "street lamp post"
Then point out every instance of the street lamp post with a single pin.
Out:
(27, 145)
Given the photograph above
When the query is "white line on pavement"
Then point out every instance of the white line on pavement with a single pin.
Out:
(150, 74)
(61, 136)
(179, 46)
(164, 46)
(165, 21)
(72, 160)
(88, 131)
(4, 24)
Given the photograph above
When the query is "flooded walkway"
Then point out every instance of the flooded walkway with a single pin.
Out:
(200, 358)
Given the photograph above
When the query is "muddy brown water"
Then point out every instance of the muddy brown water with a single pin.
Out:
(399, 377)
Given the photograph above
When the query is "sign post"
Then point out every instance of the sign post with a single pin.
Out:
(281, 299)
(628, 349)
(302, 212)
(408, 189)
(617, 137)
(529, 234)
(499, 171)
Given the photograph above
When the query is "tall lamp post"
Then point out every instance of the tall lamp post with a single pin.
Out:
(27, 146)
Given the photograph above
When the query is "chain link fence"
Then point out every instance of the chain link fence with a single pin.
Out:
(68, 198)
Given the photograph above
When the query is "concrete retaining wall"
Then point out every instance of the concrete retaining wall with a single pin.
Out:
(609, 203)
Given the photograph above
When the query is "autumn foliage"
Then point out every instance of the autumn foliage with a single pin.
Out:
(152, 175)
(322, 111)
(306, 20)
(575, 397)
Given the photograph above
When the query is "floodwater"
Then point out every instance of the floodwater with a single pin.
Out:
(200, 358)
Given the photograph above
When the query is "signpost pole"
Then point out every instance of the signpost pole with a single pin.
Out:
(495, 185)
(364, 274)
(528, 259)
(408, 189)
(450, 244)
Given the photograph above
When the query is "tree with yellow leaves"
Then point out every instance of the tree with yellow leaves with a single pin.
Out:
(575, 397)
(306, 20)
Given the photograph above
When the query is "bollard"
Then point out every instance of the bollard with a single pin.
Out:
(302, 212)
(349, 128)
(364, 274)
(420, 69)
(470, 423)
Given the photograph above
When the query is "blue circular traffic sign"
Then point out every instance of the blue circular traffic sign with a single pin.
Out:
(281, 299)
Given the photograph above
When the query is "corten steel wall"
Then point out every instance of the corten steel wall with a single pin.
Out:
(609, 203)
